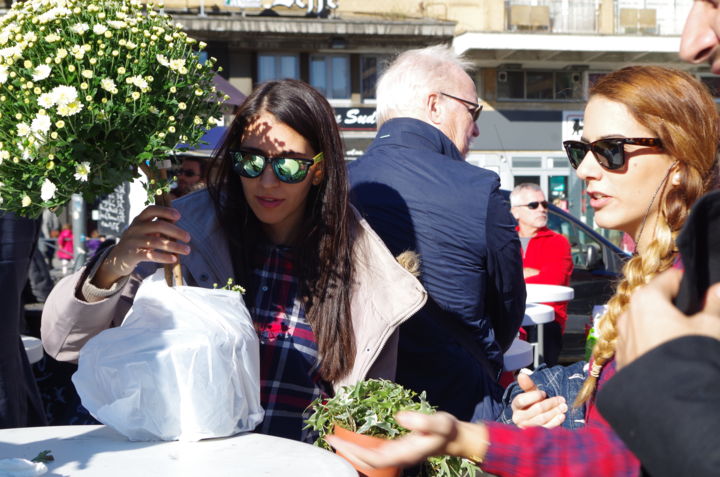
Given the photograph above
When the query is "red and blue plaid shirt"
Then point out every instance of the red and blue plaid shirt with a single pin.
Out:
(592, 450)
(289, 379)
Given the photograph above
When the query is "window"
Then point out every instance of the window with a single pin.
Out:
(330, 74)
(371, 67)
(276, 66)
(580, 241)
(540, 85)
(528, 162)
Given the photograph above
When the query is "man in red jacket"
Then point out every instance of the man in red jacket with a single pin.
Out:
(546, 257)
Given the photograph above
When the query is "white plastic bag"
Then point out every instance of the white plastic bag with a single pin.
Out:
(184, 365)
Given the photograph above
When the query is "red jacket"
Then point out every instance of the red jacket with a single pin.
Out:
(549, 252)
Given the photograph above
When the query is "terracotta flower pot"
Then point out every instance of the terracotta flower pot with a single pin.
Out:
(371, 443)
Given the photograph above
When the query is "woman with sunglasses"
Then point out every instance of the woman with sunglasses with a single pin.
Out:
(648, 152)
(325, 294)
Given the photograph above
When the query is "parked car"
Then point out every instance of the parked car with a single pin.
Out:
(597, 262)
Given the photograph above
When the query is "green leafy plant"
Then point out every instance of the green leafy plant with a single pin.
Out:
(44, 457)
(90, 90)
(369, 408)
(230, 285)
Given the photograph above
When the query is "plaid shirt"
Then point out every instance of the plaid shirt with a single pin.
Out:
(289, 380)
(592, 450)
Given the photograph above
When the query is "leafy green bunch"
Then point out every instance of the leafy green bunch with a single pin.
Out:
(369, 408)
(89, 91)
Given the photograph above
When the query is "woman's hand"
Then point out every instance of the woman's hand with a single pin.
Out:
(432, 434)
(652, 319)
(151, 237)
(533, 408)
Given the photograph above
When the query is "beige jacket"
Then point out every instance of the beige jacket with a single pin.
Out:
(384, 293)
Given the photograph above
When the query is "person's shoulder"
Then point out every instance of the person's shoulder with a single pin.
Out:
(196, 207)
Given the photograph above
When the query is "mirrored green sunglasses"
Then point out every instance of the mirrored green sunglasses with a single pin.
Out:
(291, 170)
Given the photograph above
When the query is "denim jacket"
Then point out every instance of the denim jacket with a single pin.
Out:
(558, 380)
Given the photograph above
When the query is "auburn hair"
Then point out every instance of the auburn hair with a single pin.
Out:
(680, 111)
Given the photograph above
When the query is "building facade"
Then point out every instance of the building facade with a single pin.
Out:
(535, 60)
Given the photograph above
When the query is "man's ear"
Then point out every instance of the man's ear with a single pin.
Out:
(435, 109)
(513, 211)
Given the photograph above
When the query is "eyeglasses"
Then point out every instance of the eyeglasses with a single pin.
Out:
(290, 170)
(610, 153)
(187, 173)
(475, 110)
(534, 205)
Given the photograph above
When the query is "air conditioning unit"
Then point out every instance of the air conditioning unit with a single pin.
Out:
(502, 76)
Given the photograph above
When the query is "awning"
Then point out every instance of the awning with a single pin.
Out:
(223, 85)
(212, 138)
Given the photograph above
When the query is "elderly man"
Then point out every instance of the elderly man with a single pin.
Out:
(416, 190)
(663, 402)
(546, 257)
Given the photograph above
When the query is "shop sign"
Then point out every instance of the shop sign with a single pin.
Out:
(364, 119)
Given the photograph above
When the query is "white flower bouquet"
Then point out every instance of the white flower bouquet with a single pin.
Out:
(90, 90)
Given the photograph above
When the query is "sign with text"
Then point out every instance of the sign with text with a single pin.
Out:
(364, 119)
(114, 211)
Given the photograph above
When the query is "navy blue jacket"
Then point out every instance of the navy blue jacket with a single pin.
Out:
(417, 192)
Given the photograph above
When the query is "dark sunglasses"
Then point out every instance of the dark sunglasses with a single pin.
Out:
(534, 205)
(475, 109)
(290, 170)
(610, 153)
(187, 173)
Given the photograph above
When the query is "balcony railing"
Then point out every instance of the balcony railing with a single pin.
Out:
(636, 17)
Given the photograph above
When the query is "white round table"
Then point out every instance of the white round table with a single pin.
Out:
(537, 293)
(33, 348)
(99, 451)
(519, 355)
(537, 315)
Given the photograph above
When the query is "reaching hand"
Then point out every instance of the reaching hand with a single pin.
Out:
(432, 434)
(151, 237)
(652, 319)
(533, 408)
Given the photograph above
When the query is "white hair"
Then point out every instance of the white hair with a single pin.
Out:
(405, 84)
(519, 188)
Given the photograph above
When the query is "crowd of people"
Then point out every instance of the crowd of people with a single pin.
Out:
(410, 265)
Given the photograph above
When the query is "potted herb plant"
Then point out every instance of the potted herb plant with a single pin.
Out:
(365, 414)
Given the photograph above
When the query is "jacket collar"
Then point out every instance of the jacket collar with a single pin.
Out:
(415, 134)
(541, 232)
(210, 260)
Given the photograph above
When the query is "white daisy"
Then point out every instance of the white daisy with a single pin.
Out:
(80, 28)
(63, 95)
(47, 190)
(46, 100)
(41, 123)
(23, 129)
(81, 171)
(41, 72)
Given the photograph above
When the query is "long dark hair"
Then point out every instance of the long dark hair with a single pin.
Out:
(323, 251)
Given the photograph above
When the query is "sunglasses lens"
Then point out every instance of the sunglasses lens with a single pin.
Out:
(290, 170)
(248, 165)
(533, 205)
(576, 152)
(610, 154)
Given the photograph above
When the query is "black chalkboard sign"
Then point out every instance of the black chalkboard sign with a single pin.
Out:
(114, 211)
